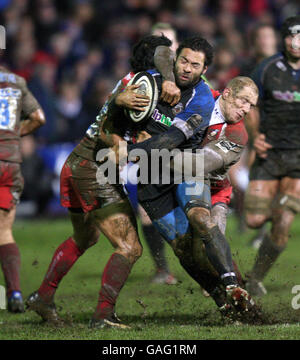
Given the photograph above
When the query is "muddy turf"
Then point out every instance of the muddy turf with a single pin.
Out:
(155, 312)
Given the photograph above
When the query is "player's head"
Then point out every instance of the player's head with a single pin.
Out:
(168, 31)
(143, 52)
(239, 95)
(193, 56)
(290, 32)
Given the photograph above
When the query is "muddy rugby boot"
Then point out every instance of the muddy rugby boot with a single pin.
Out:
(110, 322)
(45, 310)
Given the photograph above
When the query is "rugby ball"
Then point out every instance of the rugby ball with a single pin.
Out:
(147, 87)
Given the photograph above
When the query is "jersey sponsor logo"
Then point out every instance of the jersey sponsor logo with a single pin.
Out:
(157, 116)
(226, 146)
(287, 96)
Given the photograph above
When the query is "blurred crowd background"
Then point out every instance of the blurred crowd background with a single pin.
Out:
(72, 52)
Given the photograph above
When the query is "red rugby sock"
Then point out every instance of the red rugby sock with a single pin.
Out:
(63, 259)
(114, 277)
(10, 260)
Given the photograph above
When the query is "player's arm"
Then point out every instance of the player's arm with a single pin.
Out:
(164, 62)
(35, 120)
(178, 133)
(217, 154)
(257, 139)
(252, 119)
(194, 118)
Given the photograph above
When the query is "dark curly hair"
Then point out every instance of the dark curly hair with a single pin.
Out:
(143, 52)
(196, 43)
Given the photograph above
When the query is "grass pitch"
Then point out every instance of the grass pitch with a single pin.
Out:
(155, 312)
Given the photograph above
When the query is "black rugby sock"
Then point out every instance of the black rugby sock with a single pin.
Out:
(156, 246)
(219, 254)
(267, 255)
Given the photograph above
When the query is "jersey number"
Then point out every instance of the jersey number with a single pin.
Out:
(8, 110)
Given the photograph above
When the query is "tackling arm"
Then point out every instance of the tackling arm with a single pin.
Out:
(179, 132)
(218, 154)
(164, 62)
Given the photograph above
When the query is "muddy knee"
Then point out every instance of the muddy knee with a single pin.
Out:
(257, 210)
(200, 218)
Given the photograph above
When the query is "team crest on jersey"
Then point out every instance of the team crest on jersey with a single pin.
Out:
(177, 108)
(213, 134)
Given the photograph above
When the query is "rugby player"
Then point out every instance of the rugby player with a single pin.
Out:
(94, 207)
(153, 239)
(20, 114)
(172, 211)
(274, 189)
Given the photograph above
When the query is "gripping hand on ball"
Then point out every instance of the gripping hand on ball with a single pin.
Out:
(130, 98)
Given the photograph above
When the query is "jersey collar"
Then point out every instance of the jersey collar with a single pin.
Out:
(217, 117)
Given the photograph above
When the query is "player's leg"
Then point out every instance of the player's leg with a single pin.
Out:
(197, 209)
(286, 204)
(117, 222)
(85, 234)
(156, 246)
(172, 223)
(258, 201)
(11, 186)
(10, 260)
(258, 205)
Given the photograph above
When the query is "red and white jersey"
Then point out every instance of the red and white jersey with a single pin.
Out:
(16, 103)
(229, 140)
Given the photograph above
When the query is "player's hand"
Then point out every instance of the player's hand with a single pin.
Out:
(170, 93)
(131, 99)
(261, 146)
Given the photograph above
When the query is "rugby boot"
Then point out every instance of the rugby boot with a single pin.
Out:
(47, 311)
(255, 287)
(15, 303)
(240, 298)
(164, 277)
(228, 314)
(111, 321)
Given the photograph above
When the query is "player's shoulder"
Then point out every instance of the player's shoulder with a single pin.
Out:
(8, 76)
(203, 95)
(269, 62)
(125, 80)
(237, 133)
